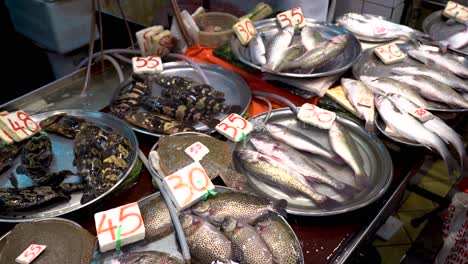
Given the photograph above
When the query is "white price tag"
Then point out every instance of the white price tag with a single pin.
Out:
(119, 226)
(18, 125)
(145, 38)
(456, 11)
(30, 254)
(380, 30)
(293, 17)
(188, 185)
(162, 43)
(390, 53)
(152, 64)
(367, 101)
(422, 114)
(234, 127)
(314, 115)
(245, 31)
(197, 151)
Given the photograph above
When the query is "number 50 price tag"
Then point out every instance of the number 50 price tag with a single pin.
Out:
(244, 30)
(119, 226)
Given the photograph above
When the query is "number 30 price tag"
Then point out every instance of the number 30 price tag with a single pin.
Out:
(456, 11)
(312, 114)
(18, 125)
(188, 185)
(292, 17)
(234, 127)
(151, 64)
(390, 53)
(119, 226)
(244, 30)
(30, 254)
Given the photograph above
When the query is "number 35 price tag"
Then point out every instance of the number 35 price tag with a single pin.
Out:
(30, 254)
(151, 64)
(18, 125)
(312, 114)
(119, 226)
(292, 17)
(188, 185)
(244, 30)
(234, 127)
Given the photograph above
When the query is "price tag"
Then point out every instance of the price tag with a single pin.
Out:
(380, 30)
(234, 127)
(456, 11)
(30, 254)
(119, 226)
(429, 48)
(18, 125)
(367, 101)
(188, 185)
(151, 64)
(292, 17)
(390, 53)
(162, 43)
(145, 38)
(422, 114)
(244, 30)
(314, 115)
(197, 151)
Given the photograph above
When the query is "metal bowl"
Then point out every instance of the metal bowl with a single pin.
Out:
(235, 89)
(269, 27)
(377, 164)
(63, 157)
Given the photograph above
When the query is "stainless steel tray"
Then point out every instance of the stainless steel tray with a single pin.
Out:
(63, 158)
(370, 65)
(435, 26)
(269, 27)
(377, 164)
(236, 90)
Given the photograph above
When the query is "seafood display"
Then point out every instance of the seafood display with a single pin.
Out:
(447, 33)
(182, 104)
(146, 257)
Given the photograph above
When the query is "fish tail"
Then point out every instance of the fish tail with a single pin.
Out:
(280, 207)
(370, 127)
(348, 190)
(452, 166)
(361, 181)
(328, 203)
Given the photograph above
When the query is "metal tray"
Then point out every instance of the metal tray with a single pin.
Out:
(370, 65)
(381, 126)
(436, 27)
(58, 219)
(269, 27)
(377, 164)
(236, 90)
(63, 158)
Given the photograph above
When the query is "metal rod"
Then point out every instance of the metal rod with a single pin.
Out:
(91, 47)
(101, 33)
(180, 22)
(124, 17)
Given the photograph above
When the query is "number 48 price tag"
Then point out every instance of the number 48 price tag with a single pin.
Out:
(18, 125)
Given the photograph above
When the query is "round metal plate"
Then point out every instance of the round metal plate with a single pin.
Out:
(377, 164)
(236, 90)
(63, 157)
(269, 27)
(436, 27)
(381, 126)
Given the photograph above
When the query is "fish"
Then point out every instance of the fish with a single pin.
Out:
(69, 188)
(277, 46)
(156, 123)
(318, 56)
(280, 239)
(433, 90)
(446, 62)
(355, 92)
(129, 97)
(299, 141)
(343, 144)
(63, 124)
(446, 78)
(176, 85)
(248, 245)
(384, 85)
(311, 37)
(435, 125)
(311, 171)
(8, 153)
(279, 175)
(31, 197)
(292, 53)
(244, 207)
(410, 128)
(37, 155)
(456, 41)
(146, 257)
(115, 158)
(158, 223)
(53, 178)
(205, 241)
(257, 50)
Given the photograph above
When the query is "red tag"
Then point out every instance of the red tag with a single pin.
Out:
(422, 114)
(380, 30)
(366, 101)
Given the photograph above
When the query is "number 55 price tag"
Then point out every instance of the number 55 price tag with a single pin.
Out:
(244, 30)
(151, 64)
(119, 226)
(30, 254)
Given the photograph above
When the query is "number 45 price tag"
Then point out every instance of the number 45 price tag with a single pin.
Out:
(312, 114)
(234, 127)
(119, 226)
(30, 254)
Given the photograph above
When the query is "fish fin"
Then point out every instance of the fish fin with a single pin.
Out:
(328, 203)
(280, 207)
(453, 169)
(361, 181)
(348, 190)
(13, 180)
(370, 127)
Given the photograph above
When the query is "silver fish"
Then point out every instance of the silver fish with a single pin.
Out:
(386, 86)
(276, 48)
(433, 90)
(343, 144)
(318, 56)
(447, 62)
(355, 91)
(292, 53)
(311, 37)
(300, 141)
(271, 171)
(408, 127)
(443, 77)
(257, 50)
(311, 171)
(455, 41)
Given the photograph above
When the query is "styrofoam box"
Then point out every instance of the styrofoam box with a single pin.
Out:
(60, 26)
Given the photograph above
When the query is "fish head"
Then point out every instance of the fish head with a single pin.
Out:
(347, 81)
(340, 39)
(229, 225)
(262, 145)
(369, 82)
(202, 208)
(248, 155)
